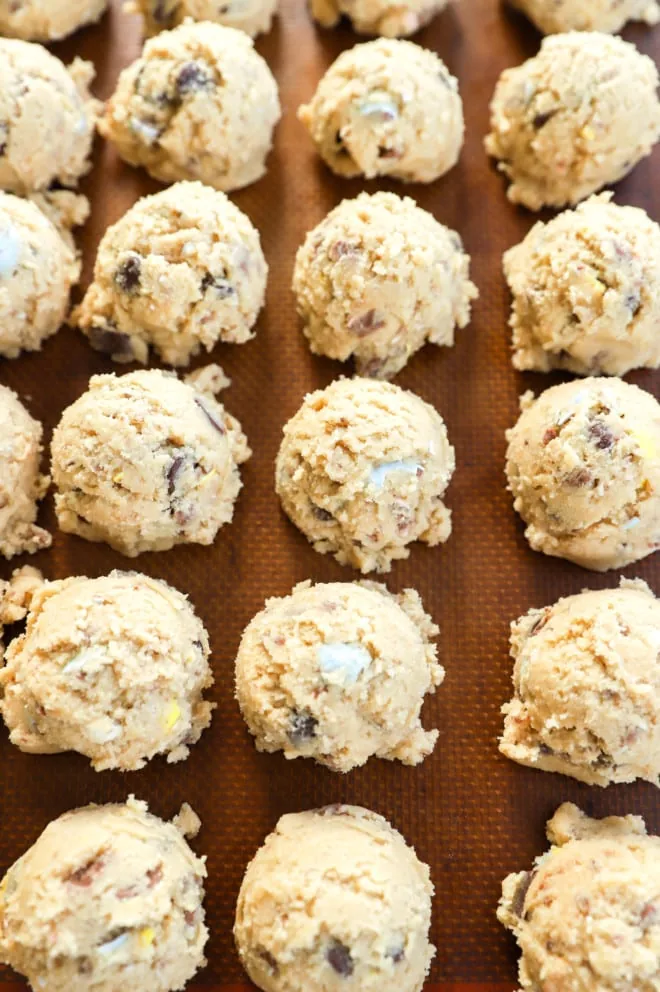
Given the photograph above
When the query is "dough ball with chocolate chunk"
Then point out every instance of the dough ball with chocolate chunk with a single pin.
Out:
(252, 16)
(338, 672)
(586, 291)
(587, 915)
(199, 103)
(144, 461)
(178, 272)
(377, 279)
(47, 118)
(384, 17)
(362, 471)
(108, 897)
(555, 16)
(583, 465)
(576, 117)
(387, 108)
(587, 687)
(21, 483)
(335, 899)
(47, 20)
(113, 668)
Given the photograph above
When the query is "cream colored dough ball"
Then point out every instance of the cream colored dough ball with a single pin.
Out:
(252, 16)
(47, 20)
(555, 16)
(388, 18)
(335, 900)
(21, 483)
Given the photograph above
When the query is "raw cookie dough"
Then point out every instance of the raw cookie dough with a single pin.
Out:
(555, 16)
(335, 899)
(587, 687)
(387, 108)
(252, 16)
(578, 116)
(21, 483)
(199, 103)
(583, 464)
(109, 897)
(179, 271)
(390, 18)
(48, 118)
(587, 916)
(145, 461)
(338, 671)
(377, 279)
(47, 20)
(113, 668)
(15, 597)
(362, 470)
(586, 291)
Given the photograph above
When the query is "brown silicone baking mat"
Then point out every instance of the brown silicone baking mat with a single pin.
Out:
(471, 814)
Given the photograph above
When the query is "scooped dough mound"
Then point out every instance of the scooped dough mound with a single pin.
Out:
(586, 291)
(389, 18)
(113, 668)
(199, 103)
(362, 470)
(335, 899)
(377, 279)
(387, 108)
(583, 464)
(108, 897)
(47, 20)
(252, 16)
(586, 917)
(179, 271)
(145, 461)
(555, 16)
(578, 116)
(587, 687)
(338, 671)
(21, 483)
(47, 116)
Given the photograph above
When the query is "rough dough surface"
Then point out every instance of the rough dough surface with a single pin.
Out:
(145, 461)
(377, 279)
(578, 116)
(335, 900)
(362, 470)
(252, 16)
(390, 18)
(387, 108)
(47, 20)
(199, 103)
(21, 483)
(586, 291)
(556, 16)
(587, 687)
(178, 272)
(48, 118)
(105, 893)
(113, 668)
(583, 464)
(338, 671)
(587, 916)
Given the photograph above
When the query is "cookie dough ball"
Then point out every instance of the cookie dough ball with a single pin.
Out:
(180, 271)
(199, 103)
(377, 279)
(338, 672)
(583, 464)
(47, 20)
(335, 899)
(252, 16)
(385, 17)
(387, 108)
(144, 462)
(21, 483)
(108, 897)
(554, 16)
(362, 470)
(586, 291)
(47, 116)
(578, 116)
(113, 668)
(587, 916)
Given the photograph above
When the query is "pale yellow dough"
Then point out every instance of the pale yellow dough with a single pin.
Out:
(389, 18)
(252, 16)
(576, 117)
(377, 279)
(586, 291)
(335, 901)
(555, 16)
(21, 483)
(362, 471)
(199, 103)
(47, 20)
(583, 465)
(108, 898)
(587, 916)
(387, 108)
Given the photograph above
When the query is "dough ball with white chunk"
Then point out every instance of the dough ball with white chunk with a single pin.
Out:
(47, 20)
(113, 668)
(339, 672)
(389, 18)
(252, 16)
(555, 16)
(108, 897)
(21, 483)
